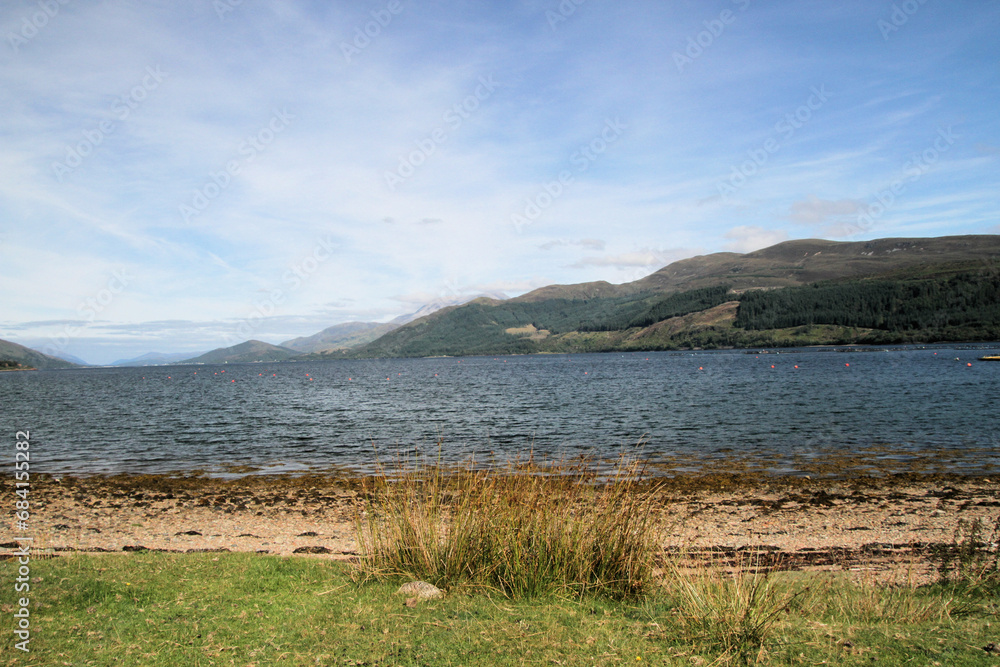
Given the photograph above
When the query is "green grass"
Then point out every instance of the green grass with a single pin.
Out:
(246, 609)
(557, 568)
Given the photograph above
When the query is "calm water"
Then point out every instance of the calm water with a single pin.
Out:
(689, 411)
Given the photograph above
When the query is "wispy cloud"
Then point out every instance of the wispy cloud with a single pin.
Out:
(204, 126)
(818, 212)
(590, 244)
(646, 257)
(749, 238)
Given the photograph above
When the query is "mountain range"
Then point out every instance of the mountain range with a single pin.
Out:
(701, 302)
(353, 334)
(793, 293)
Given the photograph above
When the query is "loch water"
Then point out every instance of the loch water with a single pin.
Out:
(796, 411)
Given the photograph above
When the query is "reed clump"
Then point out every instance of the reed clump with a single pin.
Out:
(521, 529)
(733, 611)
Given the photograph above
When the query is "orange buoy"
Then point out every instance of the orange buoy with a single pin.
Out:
(847, 365)
(968, 364)
(701, 368)
(796, 366)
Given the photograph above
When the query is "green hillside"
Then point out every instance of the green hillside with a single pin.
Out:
(250, 351)
(339, 337)
(795, 293)
(25, 357)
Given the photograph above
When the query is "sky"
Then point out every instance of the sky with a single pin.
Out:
(188, 174)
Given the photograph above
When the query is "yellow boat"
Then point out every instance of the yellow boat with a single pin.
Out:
(995, 357)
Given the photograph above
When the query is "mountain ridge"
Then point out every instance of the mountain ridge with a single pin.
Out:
(661, 310)
(689, 303)
(247, 352)
(25, 356)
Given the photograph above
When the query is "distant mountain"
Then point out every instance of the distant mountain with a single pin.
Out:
(881, 291)
(25, 356)
(790, 263)
(340, 336)
(438, 304)
(71, 359)
(250, 351)
(346, 336)
(154, 359)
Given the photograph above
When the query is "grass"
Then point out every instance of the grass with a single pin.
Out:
(521, 531)
(158, 609)
(559, 568)
(734, 611)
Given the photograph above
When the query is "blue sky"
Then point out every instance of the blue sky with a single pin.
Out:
(179, 176)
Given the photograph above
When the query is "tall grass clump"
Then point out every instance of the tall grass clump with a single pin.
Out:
(520, 529)
(970, 566)
(973, 557)
(734, 612)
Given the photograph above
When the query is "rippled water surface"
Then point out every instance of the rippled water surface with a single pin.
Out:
(690, 411)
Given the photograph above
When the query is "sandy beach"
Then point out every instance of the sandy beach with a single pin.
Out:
(876, 522)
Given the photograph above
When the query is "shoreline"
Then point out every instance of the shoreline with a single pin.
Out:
(880, 523)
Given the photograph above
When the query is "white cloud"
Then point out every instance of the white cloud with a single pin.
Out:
(816, 211)
(591, 244)
(644, 258)
(749, 238)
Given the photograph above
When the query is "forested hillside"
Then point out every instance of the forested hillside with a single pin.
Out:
(965, 300)
(936, 302)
